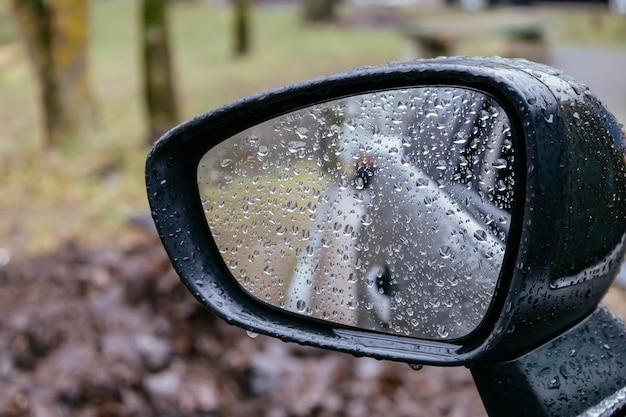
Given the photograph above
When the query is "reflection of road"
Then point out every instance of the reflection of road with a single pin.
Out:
(435, 262)
(399, 253)
(323, 281)
(427, 223)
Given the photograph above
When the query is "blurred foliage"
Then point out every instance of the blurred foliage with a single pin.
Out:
(88, 190)
(7, 29)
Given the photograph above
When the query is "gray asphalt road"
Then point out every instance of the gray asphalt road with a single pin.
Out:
(602, 69)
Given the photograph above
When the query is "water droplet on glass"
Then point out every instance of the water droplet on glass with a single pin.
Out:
(422, 183)
(445, 252)
(291, 206)
(499, 163)
(480, 235)
(296, 146)
(262, 151)
(301, 306)
(460, 137)
(416, 366)
(252, 334)
(366, 220)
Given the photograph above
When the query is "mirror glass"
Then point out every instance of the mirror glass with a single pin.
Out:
(387, 211)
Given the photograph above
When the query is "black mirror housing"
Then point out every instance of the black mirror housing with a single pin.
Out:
(566, 239)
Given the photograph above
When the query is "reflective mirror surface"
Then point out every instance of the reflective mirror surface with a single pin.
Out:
(387, 211)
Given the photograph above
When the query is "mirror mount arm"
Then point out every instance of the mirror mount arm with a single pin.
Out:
(566, 376)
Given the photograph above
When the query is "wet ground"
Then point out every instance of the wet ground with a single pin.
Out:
(112, 332)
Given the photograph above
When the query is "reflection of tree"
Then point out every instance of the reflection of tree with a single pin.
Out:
(486, 161)
(462, 140)
(329, 125)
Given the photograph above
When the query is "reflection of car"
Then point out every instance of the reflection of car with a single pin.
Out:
(615, 6)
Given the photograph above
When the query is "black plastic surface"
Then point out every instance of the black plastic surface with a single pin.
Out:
(570, 214)
(562, 378)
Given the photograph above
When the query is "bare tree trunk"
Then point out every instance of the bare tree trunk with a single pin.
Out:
(55, 34)
(242, 27)
(157, 68)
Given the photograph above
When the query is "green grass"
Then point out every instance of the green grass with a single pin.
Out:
(592, 27)
(7, 31)
(88, 190)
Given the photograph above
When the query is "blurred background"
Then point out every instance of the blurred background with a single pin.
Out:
(93, 321)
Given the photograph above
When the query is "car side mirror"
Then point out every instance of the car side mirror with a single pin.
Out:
(446, 211)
